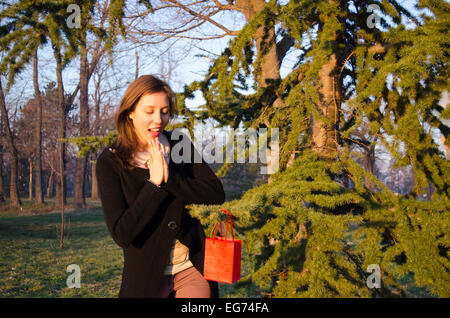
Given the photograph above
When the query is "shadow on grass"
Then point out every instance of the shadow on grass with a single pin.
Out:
(89, 223)
(33, 265)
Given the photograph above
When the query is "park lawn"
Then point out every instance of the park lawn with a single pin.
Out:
(33, 265)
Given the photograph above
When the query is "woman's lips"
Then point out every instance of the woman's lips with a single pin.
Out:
(154, 133)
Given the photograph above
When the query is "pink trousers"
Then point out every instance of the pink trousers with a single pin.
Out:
(185, 284)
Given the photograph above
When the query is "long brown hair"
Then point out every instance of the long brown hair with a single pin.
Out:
(127, 142)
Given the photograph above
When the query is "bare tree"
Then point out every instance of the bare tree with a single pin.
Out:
(104, 102)
(39, 198)
(2, 191)
(96, 48)
(13, 188)
(24, 141)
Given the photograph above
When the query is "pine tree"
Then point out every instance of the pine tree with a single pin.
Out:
(316, 228)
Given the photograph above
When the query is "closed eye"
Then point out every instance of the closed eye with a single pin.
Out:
(164, 112)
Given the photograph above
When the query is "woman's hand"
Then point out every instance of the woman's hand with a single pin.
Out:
(159, 169)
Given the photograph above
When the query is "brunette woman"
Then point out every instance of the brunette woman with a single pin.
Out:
(144, 194)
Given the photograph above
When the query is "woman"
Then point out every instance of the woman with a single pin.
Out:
(144, 193)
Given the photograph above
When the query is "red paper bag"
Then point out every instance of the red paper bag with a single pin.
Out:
(223, 256)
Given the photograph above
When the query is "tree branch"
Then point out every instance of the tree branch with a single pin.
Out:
(193, 13)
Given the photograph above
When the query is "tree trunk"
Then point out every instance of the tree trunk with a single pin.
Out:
(61, 179)
(429, 191)
(13, 188)
(291, 160)
(96, 131)
(39, 197)
(50, 184)
(94, 191)
(2, 190)
(324, 135)
(447, 152)
(265, 40)
(30, 184)
(80, 174)
(136, 75)
(270, 66)
(369, 163)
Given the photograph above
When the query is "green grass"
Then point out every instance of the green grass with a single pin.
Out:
(33, 265)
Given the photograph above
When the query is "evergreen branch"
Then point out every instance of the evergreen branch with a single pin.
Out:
(358, 264)
(403, 10)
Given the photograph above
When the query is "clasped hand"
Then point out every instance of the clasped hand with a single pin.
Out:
(157, 164)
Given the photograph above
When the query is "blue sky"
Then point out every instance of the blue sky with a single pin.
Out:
(187, 66)
(187, 69)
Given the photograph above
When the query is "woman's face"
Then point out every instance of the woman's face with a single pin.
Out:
(150, 116)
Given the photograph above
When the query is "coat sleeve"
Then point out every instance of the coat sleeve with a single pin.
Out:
(125, 222)
(196, 183)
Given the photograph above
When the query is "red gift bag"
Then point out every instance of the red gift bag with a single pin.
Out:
(223, 256)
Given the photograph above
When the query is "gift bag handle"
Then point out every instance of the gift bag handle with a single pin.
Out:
(228, 213)
(215, 230)
(226, 231)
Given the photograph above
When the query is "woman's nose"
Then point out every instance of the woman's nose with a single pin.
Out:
(157, 118)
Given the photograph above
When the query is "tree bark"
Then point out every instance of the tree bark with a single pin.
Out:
(136, 75)
(30, 184)
(94, 191)
(80, 174)
(274, 52)
(50, 185)
(61, 179)
(447, 152)
(96, 131)
(13, 188)
(264, 38)
(370, 164)
(39, 197)
(2, 190)
(325, 135)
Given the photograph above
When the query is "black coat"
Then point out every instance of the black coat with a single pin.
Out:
(144, 220)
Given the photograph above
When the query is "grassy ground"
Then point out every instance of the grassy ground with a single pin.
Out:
(33, 265)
